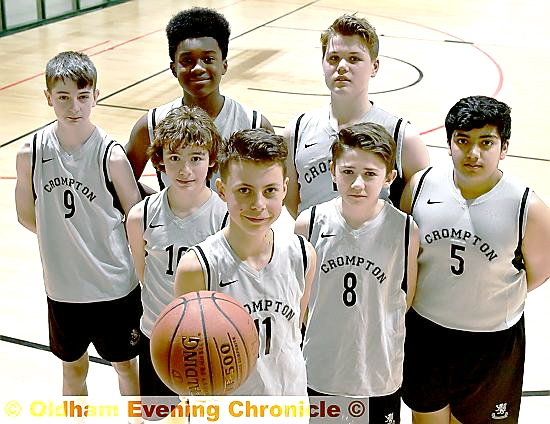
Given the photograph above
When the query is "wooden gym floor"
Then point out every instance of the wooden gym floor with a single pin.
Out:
(432, 54)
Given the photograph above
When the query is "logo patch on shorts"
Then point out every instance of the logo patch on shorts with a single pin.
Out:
(389, 419)
(134, 337)
(500, 412)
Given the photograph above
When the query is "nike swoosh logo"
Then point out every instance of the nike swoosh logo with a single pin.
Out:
(155, 225)
(324, 235)
(309, 145)
(222, 284)
(46, 160)
(432, 202)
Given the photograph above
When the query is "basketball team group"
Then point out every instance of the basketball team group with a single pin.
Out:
(395, 280)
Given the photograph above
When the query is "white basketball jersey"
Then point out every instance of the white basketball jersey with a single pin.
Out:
(167, 237)
(310, 143)
(81, 235)
(356, 323)
(272, 297)
(470, 270)
(233, 117)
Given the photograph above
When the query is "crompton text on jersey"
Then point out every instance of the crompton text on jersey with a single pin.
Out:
(272, 297)
(81, 233)
(312, 151)
(356, 326)
(469, 259)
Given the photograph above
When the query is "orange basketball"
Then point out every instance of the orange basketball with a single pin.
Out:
(203, 344)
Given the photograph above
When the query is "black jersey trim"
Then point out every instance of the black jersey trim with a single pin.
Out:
(397, 128)
(108, 182)
(518, 261)
(404, 283)
(162, 186)
(311, 222)
(296, 133)
(145, 206)
(208, 276)
(419, 188)
(254, 119)
(153, 119)
(33, 164)
(304, 252)
(225, 219)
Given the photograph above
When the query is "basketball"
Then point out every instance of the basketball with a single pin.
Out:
(204, 344)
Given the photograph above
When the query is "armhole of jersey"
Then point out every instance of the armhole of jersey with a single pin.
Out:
(255, 119)
(418, 188)
(206, 264)
(304, 252)
(145, 207)
(162, 186)
(296, 133)
(311, 222)
(33, 164)
(225, 219)
(518, 262)
(404, 283)
(399, 147)
(107, 176)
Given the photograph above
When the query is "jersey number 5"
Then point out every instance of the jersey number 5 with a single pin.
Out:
(457, 269)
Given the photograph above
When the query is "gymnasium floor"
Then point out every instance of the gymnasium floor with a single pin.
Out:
(432, 54)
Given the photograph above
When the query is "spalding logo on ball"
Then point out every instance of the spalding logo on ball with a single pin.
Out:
(204, 344)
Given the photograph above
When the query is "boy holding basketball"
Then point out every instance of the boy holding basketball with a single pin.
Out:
(268, 272)
(164, 225)
(366, 277)
(74, 187)
(484, 245)
(198, 40)
(350, 59)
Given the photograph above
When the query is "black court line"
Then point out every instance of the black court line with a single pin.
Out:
(45, 348)
(526, 393)
(123, 107)
(507, 155)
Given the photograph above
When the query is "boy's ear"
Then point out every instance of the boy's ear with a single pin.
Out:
(96, 96)
(375, 67)
(503, 150)
(48, 97)
(220, 188)
(390, 178)
(225, 65)
(173, 69)
(332, 168)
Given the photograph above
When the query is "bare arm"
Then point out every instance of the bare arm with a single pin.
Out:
(24, 200)
(415, 155)
(136, 149)
(535, 243)
(123, 179)
(134, 229)
(301, 226)
(407, 195)
(310, 275)
(189, 275)
(412, 265)
(292, 199)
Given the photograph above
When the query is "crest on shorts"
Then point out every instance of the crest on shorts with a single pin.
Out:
(389, 419)
(500, 411)
(134, 337)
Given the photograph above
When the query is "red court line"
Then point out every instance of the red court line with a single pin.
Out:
(87, 48)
